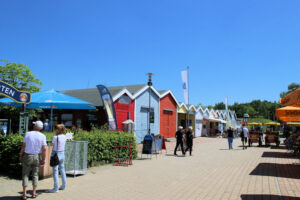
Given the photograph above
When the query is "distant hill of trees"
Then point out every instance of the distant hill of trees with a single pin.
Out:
(257, 108)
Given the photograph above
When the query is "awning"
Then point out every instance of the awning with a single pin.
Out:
(223, 121)
(215, 120)
(288, 113)
(293, 123)
(254, 123)
(272, 124)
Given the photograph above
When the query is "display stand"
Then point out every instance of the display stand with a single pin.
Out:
(160, 144)
(122, 161)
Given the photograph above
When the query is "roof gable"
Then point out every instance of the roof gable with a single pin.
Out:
(92, 95)
(163, 93)
(143, 89)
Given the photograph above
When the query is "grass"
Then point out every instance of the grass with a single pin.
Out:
(259, 120)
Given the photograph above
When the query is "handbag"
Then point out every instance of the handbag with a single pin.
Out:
(54, 160)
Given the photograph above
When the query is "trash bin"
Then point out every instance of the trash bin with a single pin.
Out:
(76, 154)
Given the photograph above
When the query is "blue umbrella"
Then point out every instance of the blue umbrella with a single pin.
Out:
(51, 100)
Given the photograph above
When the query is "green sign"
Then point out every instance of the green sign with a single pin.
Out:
(151, 117)
(23, 126)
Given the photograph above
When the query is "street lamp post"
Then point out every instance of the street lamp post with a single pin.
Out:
(149, 110)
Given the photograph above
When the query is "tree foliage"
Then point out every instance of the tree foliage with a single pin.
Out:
(220, 106)
(256, 109)
(291, 88)
(19, 76)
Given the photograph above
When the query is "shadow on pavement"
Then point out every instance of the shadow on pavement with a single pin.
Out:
(255, 146)
(280, 147)
(29, 194)
(267, 197)
(277, 155)
(11, 197)
(180, 156)
(17, 176)
(144, 158)
(277, 170)
(170, 155)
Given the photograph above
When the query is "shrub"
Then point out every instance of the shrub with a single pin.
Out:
(101, 147)
(9, 154)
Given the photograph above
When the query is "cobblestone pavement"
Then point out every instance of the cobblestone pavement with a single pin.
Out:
(212, 173)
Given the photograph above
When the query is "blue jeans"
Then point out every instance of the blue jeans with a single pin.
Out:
(61, 167)
(230, 140)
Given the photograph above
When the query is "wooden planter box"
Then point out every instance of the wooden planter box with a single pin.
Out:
(46, 170)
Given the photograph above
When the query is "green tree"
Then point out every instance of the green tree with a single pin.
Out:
(219, 106)
(19, 76)
(291, 88)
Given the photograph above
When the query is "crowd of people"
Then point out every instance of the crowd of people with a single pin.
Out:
(34, 145)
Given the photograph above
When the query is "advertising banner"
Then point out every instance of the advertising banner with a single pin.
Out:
(109, 107)
(14, 94)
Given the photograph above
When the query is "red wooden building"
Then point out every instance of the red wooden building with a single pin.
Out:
(124, 105)
(168, 114)
(123, 101)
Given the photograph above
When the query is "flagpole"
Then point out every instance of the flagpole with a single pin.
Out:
(188, 109)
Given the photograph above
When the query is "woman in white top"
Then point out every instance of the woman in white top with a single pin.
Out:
(59, 142)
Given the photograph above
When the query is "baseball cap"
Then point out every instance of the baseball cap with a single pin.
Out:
(180, 127)
(190, 127)
(38, 124)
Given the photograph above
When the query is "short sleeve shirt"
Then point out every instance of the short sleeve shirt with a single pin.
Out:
(60, 146)
(34, 141)
(245, 132)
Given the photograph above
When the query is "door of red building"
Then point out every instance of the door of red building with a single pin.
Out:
(166, 122)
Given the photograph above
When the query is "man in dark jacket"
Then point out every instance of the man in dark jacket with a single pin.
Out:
(189, 135)
(179, 141)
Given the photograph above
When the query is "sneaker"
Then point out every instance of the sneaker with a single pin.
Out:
(62, 188)
(52, 191)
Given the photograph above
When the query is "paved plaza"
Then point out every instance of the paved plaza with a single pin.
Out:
(212, 173)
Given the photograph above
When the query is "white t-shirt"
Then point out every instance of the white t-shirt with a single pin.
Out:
(245, 131)
(61, 142)
(34, 141)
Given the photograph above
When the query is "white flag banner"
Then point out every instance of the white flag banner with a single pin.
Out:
(226, 104)
(185, 86)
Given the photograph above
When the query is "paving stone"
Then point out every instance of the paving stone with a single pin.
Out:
(213, 172)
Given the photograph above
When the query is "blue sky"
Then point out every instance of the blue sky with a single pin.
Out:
(241, 49)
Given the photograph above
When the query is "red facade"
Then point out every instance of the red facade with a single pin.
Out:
(124, 110)
(168, 114)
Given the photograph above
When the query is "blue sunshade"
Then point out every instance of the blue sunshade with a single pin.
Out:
(51, 99)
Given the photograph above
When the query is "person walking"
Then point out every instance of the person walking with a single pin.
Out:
(230, 137)
(59, 142)
(189, 139)
(244, 135)
(179, 141)
(34, 143)
(46, 125)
